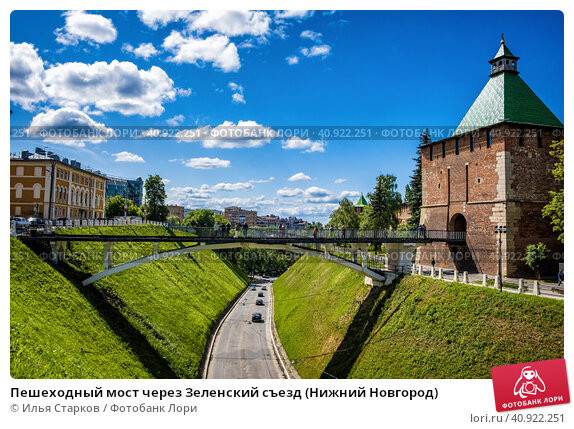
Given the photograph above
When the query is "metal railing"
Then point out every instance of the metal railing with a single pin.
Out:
(324, 234)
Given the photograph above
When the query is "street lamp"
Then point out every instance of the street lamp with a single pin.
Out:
(500, 229)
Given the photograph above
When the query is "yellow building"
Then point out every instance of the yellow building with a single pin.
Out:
(43, 185)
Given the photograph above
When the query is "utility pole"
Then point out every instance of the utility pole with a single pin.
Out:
(500, 229)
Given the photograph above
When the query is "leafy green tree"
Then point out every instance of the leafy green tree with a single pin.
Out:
(385, 204)
(555, 208)
(414, 190)
(200, 218)
(173, 220)
(344, 216)
(535, 255)
(263, 262)
(115, 207)
(155, 199)
(220, 219)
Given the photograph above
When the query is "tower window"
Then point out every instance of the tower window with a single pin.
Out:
(520, 138)
(539, 137)
(471, 143)
(444, 150)
(457, 146)
(488, 139)
(431, 152)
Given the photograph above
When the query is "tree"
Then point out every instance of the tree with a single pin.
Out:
(344, 216)
(555, 208)
(155, 199)
(200, 218)
(535, 255)
(220, 219)
(115, 207)
(414, 190)
(385, 204)
(173, 220)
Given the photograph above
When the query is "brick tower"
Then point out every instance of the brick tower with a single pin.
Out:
(495, 170)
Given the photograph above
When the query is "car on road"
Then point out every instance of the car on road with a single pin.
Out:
(260, 295)
(256, 317)
(36, 222)
(20, 222)
(259, 302)
(253, 288)
(265, 277)
(264, 288)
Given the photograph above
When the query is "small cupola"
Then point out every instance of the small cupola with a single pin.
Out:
(504, 60)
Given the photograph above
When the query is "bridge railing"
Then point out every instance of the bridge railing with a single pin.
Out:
(337, 234)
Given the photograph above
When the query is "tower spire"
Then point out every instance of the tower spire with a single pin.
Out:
(504, 60)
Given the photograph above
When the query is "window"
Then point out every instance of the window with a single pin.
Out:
(431, 152)
(18, 190)
(37, 188)
(472, 143)
(520, 138)
(457, 147)
(19, 171)
(18, 210)
(488, 139)
(539, 137)
(443, 149)
(37, 171)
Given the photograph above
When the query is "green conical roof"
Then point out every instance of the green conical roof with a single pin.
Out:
(362, 202)
(506, 98)
(503, 51)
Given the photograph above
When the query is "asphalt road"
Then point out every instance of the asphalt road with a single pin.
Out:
(242, 348)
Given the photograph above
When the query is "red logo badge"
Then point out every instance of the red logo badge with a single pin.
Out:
(528, 385)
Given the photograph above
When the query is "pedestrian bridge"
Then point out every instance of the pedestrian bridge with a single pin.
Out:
(399, 245)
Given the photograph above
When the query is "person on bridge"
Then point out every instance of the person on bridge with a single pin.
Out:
(331, 231)
(560, 277)
(315, 231)
(227, 229)
(245, 228)
(343, 231)
(215, 229)
(236, 234)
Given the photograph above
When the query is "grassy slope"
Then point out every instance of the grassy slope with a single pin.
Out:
(172, 302)
(419, 328)
(55, 332)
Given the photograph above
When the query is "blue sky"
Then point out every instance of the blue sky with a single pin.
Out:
(273, 69)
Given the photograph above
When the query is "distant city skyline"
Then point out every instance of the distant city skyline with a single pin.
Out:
(158, 69)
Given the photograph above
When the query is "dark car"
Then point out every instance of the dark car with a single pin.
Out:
(63, 220)
(259, 302)
(36, 222)
(264, 288)
(256, 317)
(260, 294)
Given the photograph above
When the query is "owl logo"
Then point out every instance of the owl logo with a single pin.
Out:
(529, 383)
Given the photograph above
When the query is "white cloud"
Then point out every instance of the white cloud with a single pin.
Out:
(159, 18)
(228, 187)
(207, 163)
(297, 177)
(81, 26)
(127, 157)
(165, 181)
(63, 126)
(315, 191)
(26, 75)
(316, 51)
(114, 87)
(237, 97)
(175, 121)
(216, 49)
(184, 92)
(337, 181)
(144, 50)
(307, 144)
(293, 59)
(230, 22)
(312, 35)
(299, 14)
(228, 135)
(270, 179)
(289, 192)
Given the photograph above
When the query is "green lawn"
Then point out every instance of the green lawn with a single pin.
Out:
(418, 328)
(55, 332)
(169, 305)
